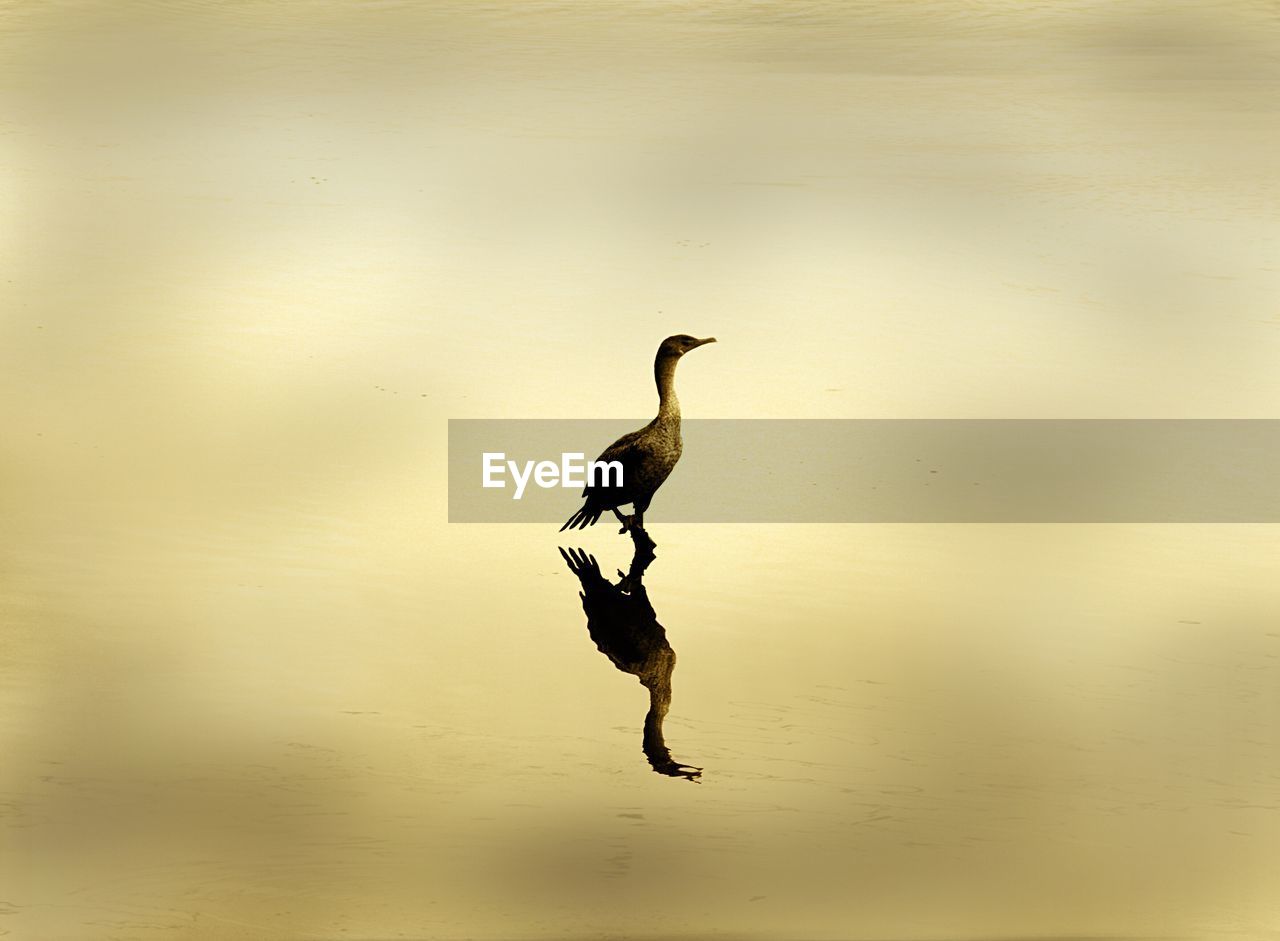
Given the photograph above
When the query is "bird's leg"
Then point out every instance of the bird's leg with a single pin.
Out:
(626, 521)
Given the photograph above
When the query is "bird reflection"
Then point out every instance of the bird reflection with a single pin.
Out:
(625, 628)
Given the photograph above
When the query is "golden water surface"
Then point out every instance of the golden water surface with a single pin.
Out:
(256, 253)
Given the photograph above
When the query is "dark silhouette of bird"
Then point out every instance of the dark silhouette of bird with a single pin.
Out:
(625, 628)
(647, 456)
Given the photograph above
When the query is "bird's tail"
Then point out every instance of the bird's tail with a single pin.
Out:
(585, 517)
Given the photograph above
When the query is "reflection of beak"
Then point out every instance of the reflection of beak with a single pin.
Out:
(702, 342)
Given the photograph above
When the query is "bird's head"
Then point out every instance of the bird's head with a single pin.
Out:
(680, 344)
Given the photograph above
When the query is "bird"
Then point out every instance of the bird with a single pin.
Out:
(625, 628)
(647, 456)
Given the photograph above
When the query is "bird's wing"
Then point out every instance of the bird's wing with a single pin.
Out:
(628, 452)
(625, 448)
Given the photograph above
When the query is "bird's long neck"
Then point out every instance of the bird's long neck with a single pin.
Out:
(664, 371)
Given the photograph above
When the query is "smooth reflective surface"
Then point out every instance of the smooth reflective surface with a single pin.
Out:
(252, 683)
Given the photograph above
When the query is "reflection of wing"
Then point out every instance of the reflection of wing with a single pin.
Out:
(586, 568)
(623, 625)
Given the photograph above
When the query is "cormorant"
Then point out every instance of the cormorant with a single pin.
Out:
(625, 628)
(647, 456)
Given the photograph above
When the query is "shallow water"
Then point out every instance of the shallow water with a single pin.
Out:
(254, 685)
(903, 730)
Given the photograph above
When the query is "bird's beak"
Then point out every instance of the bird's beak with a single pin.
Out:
(703, 342)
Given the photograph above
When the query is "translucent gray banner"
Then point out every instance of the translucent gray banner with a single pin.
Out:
(891, 471)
